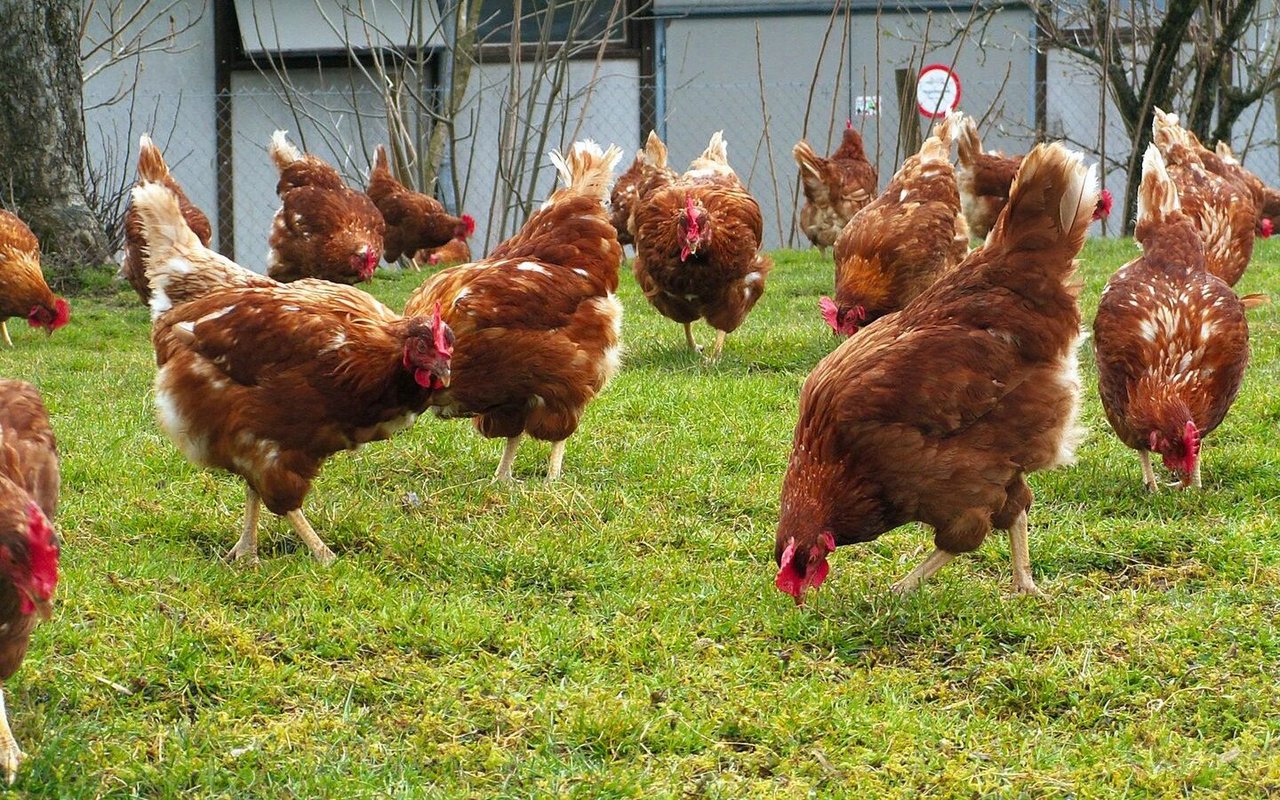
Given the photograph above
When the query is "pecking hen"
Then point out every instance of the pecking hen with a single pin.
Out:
(1170, 338)
(899, 244)
(938, 412)
(323, 229)
(23, 291)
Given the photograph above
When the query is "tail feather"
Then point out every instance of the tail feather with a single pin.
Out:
(282, 152)
(949, 127)
(1254, 300)
(1157, 195)
(380, 159)
(968, 145)
(809, 161)
(655, 151)
(717, 150)
(938, 146)
(587, 169)
(1166, 130)
(1051, 202)
(151, 165)
(178, 267)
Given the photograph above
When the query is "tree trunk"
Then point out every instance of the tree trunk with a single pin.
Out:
(42, 131)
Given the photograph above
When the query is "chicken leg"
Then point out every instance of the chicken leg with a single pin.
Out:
(307, 534)
(719, 346)
(508, 458)
(935, 561)
(10, 754)
(247, 547)
(4, 329)
(1020, 554)
(1148, 474)
(557, 459)
(1195, 475)
(688, 337)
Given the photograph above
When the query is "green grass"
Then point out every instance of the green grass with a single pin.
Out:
(617, 634)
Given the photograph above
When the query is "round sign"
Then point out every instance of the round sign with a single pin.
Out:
(937, 91)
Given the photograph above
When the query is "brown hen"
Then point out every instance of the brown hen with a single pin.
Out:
(835, 188)
(698, 247)
(538, 323)
(29, 485)
(938, 412)
(899, 244)
(1170, 338)
(23, 291)
(267, 380)
(153, 169)
(323, 229)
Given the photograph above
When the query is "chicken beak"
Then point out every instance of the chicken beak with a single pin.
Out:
(443, 373)
(43, 607)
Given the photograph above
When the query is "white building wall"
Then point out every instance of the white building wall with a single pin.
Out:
(174, 102)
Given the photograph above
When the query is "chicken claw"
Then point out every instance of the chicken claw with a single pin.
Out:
(10, 757)
(10, 754)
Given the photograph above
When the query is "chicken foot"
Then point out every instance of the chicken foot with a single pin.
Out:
(308, 535)
(508, 459)
(247, 548)
(1148, 474)
(4, 329)
(1020, 554)
(934, 562)
(10, 754)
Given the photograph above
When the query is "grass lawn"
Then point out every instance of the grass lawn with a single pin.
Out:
(618, 634)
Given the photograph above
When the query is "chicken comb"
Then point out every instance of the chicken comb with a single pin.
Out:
(830, 313)
(691, 215)
(61, 313)
(42, 550)
(438, 327)
(1191, 441)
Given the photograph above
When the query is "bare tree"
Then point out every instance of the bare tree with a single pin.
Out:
(1210, 60)
(42, 131)
(432, 127)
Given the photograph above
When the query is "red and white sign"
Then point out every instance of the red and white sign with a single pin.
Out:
(937, 91)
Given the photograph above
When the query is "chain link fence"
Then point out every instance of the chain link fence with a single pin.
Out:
(498, 169)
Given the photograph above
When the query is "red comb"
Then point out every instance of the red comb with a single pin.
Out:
(42, 550)
(1103, 209)
(1266, 227)
(470, 222)
(830, 312)
(437, 330)
(62, 313)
